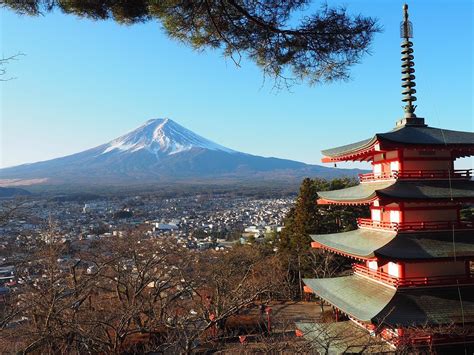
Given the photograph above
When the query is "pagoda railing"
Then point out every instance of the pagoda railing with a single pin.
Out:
(412, 281)
(434, 174)
(414, 226)
(464, 174)
(385, 175)
(370, 223)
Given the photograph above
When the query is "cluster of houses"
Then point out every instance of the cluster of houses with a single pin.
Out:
(194, 222)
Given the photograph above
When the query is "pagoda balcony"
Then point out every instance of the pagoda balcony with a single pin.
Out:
(464, 174)
(414, 226)
(369, 177)
(412, 281)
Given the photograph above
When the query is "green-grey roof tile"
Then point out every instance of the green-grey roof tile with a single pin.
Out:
(412, 135)
(407, 190)
(347, 148)
(441, 189)
(354, 295)
(368, 243)
(428, 136)
(370, 301)
(359, 242)
(420, 306)
(355, 193)
(429, 245)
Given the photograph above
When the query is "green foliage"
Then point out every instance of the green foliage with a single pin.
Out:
(306, 218)
(302, 219)
(320, 46)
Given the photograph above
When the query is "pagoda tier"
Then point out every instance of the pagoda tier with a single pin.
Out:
(371, 302)
(414, 190)
(406, 138)
(365, 244)
(412, 271)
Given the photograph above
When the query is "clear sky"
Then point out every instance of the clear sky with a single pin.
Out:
(83, 83)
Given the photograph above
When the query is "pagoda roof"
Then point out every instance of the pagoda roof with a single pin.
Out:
(406, 135)
(429, 245)
(356, 194)
(349, 148)
(361, 243)
(369, 244)
(370, 301)
(354, 295)
(401, 190)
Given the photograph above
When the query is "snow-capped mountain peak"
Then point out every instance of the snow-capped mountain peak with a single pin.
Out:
(162, 151)
(161, 136)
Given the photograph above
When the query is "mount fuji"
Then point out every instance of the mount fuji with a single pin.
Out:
(161, 150)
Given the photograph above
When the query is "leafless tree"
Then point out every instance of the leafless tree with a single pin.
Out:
(325, 264)
(11, 209)
(4, 61)
(131, 293)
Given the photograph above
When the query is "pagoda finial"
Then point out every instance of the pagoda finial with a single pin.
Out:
(408, 70)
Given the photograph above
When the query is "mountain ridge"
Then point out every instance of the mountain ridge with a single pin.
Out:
(163, 150)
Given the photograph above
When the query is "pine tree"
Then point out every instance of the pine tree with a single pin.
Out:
(302, 220)
(306, 218)
(320, 46)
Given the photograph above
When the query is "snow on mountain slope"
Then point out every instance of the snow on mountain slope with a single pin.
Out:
(162, 150)
(162, 136)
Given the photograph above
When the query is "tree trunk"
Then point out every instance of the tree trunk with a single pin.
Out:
(299, 276)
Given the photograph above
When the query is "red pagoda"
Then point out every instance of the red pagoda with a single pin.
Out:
(411, 282)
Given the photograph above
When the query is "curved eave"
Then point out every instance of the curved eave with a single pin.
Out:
(353, 295)
(413, 190)
(367, 244)
(359, 194)
(342, 252)
(359, 151)
(365, 201)
(369, 301)
(359, 244)
(458, 142)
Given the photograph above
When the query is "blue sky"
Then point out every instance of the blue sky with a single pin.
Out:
(82, 83)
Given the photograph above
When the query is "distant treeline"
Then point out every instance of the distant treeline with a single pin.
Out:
(231, 190)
